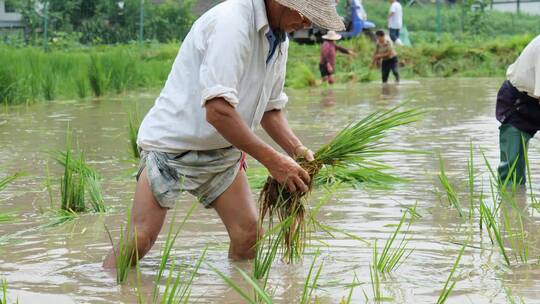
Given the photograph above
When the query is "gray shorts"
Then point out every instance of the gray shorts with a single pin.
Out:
(205, 174)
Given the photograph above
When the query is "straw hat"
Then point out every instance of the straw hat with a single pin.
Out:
(320, 12)
(331, 35)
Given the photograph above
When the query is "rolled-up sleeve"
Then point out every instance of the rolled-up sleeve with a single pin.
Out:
(278, 98)
(223, 60)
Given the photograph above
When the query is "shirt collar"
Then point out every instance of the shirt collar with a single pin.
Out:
(261, 20)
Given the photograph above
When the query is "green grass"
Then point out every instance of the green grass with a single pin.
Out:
(451, 281)
(451, 194)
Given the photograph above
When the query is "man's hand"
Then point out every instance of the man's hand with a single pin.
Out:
(303, 151)
(287, 172)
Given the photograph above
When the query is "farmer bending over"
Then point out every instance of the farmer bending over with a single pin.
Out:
(226, 80)
(518, 110)
(386, 55)
(327, 64)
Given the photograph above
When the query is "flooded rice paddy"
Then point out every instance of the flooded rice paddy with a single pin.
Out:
(62, 264)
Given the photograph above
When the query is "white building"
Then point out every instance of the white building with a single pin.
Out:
(530, 7)
(8, 17)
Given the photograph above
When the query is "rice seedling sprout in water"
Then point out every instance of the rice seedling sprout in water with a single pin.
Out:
(124, 251)
(78, 179)
(392, 257)
(72, 185)
(471, 180)
(266, 251)
(534, 202)
(374, 275)
(451, 194)
(167, 247)
(449, 286)
(9, 179)
(4, 298)
(351, 290)
(493, 229)
(4, 291)
(178, 289)
(358, 143)
(310, 283)
(261, 295)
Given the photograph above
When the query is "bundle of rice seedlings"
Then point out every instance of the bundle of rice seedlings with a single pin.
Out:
(358, 144)
(79, 178)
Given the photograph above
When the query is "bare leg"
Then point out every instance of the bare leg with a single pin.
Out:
(237, 211)
(331, 79)
(147, 217)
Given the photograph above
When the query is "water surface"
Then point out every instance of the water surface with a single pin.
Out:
(63, 264)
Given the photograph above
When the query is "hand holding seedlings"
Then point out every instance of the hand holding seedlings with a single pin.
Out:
(287, 172)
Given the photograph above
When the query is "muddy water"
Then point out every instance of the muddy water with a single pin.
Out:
(63, 264)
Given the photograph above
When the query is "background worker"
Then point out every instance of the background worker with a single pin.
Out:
(227, 79)
(395, 19)
(329, 48)
(518, 111)
(385, 55)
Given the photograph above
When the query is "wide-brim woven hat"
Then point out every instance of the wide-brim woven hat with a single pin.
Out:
(320, 12)
(331, 35)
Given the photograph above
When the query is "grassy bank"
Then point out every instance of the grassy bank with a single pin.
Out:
(471, 57)
(29, 74)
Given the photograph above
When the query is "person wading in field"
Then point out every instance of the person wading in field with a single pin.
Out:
(329, 48)
(227, 79)
(518, 111)
(385, 55)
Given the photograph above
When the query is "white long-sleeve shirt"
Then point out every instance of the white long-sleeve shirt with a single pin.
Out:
(524, 73)
(224, 55)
